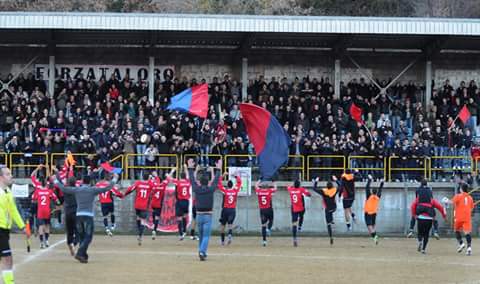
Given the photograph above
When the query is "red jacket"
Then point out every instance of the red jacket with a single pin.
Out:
(435, 204)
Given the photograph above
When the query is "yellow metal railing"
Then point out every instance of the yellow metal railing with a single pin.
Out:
(336, 159)
(130, 161)
(313, 163)
(475, 164)
(423, 169)
(432, 167)
(368, 158)
(33, 157)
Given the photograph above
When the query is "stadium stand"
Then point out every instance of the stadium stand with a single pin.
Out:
(112, 117)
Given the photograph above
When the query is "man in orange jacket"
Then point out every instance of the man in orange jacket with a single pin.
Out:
(371, 207)
(463, 206)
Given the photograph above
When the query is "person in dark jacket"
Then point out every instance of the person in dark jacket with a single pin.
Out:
(203, 189)
(85, 197)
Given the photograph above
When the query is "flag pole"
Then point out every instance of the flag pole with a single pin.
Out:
(368, 131)
(453, 122)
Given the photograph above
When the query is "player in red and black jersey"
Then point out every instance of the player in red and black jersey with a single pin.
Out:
(229, 205)
(182, 194)
(107, 205)
(296, 198)
(329, 193)
(142, 197)
(346, 186)
(158, 192)
(264, 193)
(42, 196)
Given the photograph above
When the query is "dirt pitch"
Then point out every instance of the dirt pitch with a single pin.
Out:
(167, 260)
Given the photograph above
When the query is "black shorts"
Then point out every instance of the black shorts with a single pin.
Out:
(266, 215)
(43, 221)
(296, 216)
(156, 212)
(4, 243)
(107, 208)
(347, 203)
(329, 216)
(142, 214)
(194, 212)
(227, 216)
(370, 219)
(181, 207)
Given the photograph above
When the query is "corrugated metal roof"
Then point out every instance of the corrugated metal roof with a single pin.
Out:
(239, 23)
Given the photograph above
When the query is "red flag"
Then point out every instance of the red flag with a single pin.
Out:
(356, 113)
(464, 114)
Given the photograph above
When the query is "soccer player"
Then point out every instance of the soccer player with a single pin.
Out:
(204, 189)
(264, 193)
(85, 196)
(106, 203)
(423, 208)
(329, 193)
(229, 205)
(8, 215)
(347, 192)
(463, 206)
(423, 185)
(158, 192)
(42, 197)
(143, 190)
(296, 198)
(182, 194)
(371, 207)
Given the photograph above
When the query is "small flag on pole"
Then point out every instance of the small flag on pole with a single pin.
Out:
(356, 113)
(464, 114)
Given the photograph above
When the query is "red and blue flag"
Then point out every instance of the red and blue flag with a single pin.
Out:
(111, 169)
(193, 100)
(270, 140)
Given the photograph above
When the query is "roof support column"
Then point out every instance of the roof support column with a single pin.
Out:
(51, 75)
(338, 77)
(428, 83)
(151, 79)
(244, 78)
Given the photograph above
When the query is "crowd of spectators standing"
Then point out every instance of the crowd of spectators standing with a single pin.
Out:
(113, 116)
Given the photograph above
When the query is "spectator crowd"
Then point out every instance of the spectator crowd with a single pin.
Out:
(113, 116)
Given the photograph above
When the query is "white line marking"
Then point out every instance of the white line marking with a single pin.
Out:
(37, 254)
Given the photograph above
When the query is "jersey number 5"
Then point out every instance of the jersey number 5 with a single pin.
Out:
(264, 200)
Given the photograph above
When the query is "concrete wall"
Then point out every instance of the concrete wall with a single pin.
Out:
(208, 64)
(393, 217)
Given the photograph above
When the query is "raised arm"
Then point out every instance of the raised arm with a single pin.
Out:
(215, 177)
(238, 186)
(35, 181)
(379, 192)
(367, 188)
(220, 184)
(98, 190)
(315, 189)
